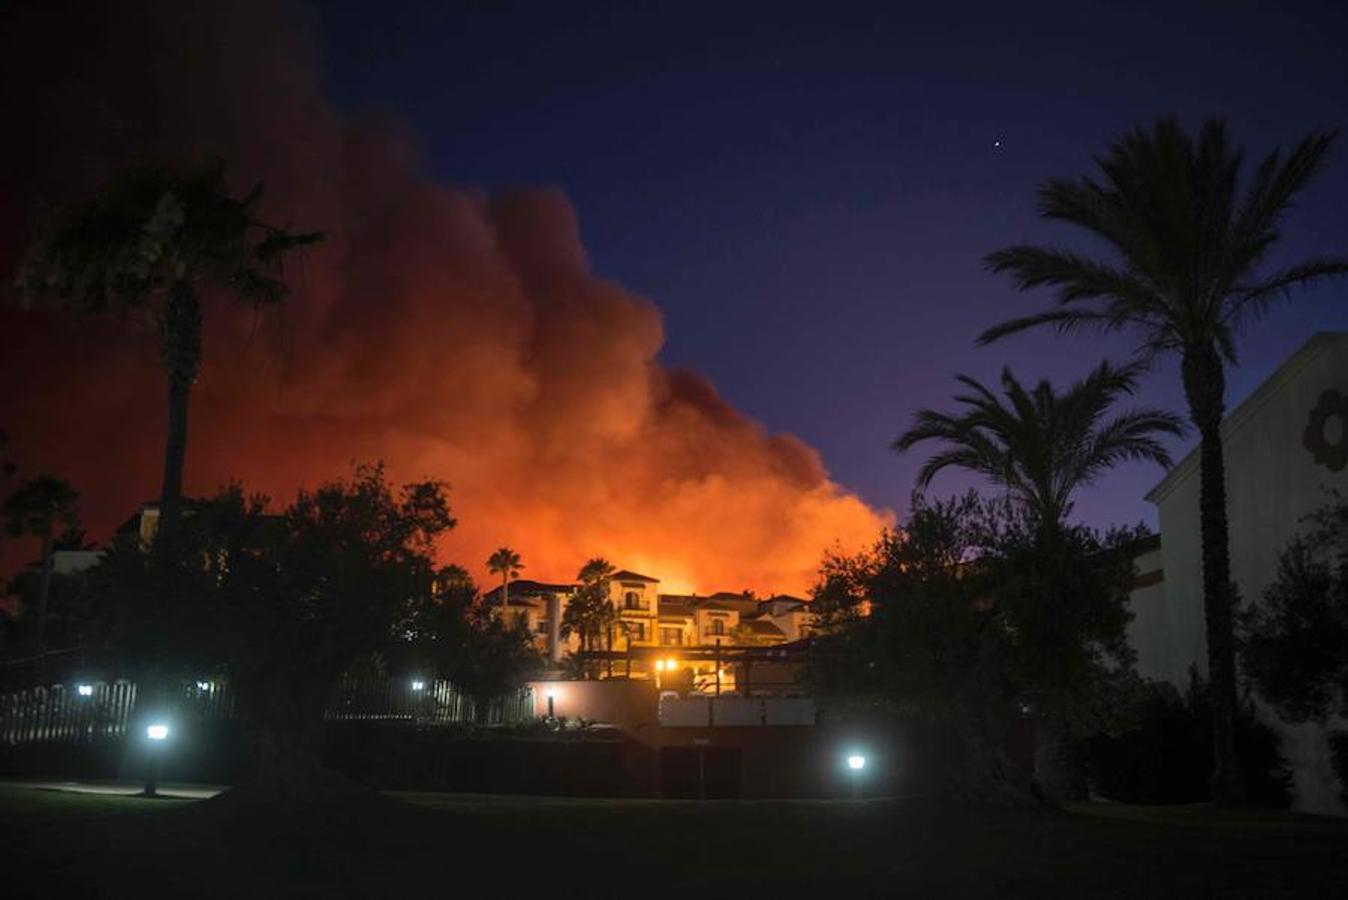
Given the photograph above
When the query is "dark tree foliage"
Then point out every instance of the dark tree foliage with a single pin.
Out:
(1166, 756)
(1338, 758)
(35, 509)
(7, 465)
(451, 633)
(591, 615)
(280, 604)
(72, 617)
(964, 619)
(1294, 644)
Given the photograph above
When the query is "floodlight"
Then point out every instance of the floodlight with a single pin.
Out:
(85, 690)
(203, 685)
(418, 685)
(157, 732)
(856, 762)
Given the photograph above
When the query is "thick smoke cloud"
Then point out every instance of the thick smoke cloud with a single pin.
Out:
(452, 334)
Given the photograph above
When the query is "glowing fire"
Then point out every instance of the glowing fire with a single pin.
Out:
(454, 337)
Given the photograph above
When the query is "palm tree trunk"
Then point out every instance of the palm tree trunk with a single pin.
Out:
(1205, 388)
(505, 597)
(44, 594)
(180, 345)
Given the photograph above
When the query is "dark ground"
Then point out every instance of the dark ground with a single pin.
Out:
(59, 845)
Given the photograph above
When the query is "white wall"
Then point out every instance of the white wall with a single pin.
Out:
(1273, 482)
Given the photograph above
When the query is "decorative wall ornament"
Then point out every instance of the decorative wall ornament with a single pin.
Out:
(1333, 455)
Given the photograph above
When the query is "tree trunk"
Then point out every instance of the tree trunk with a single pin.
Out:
(505, 597)
(180, 346)
(1205, 388)
(43, 596)
(1057, 776)
(283, 718)
(984, 774)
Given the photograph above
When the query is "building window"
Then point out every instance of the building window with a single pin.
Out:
(636, 631)
(632, 600)
(717, 627)
(543, 626)
(672, 637)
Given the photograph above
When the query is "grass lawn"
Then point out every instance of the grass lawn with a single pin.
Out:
(60, 845)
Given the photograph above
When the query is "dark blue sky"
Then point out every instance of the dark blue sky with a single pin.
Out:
(807, 192)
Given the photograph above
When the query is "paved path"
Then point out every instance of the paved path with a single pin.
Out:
(121, 788)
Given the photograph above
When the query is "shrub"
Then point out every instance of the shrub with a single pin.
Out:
(1167, 756)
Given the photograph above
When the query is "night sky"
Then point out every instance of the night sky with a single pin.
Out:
(807, 195)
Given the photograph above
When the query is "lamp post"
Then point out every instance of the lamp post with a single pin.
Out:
(856, 764)
(156, 733)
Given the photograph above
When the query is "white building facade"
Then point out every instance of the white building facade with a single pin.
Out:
(1284, 449)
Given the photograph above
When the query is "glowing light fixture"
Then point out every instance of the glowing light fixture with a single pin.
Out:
(659, 665)
(856, 762)
(418, 685)
(157, 732)
(203, 685)
(85, 690)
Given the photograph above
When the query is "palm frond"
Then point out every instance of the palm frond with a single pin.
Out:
(1187, 241)
(1253, 301)
(1039, 443)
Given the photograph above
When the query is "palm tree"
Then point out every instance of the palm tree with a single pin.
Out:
(590, 612)
(1187, 270)
(155, 240)
(1041, 445)
(506, 563)
(34, 509)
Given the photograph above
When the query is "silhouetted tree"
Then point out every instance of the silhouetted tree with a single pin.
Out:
(7, 465)
(590, 612)
(1164, 752)
(451, 633)
(156, 240)
(506, 563)
(1294, 644)
(1042, 445)
(1187, 271)
(282, 604)
(34, 510)
(958, 619)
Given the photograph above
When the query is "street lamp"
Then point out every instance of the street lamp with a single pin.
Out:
(157, 734)
(856, 764)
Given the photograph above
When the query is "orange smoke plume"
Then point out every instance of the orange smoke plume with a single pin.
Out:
(452, 335)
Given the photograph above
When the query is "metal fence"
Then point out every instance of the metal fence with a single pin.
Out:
(73, 713)
(94, 711)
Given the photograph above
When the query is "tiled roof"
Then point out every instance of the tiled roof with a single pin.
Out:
(626, 575)
(526, 588)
